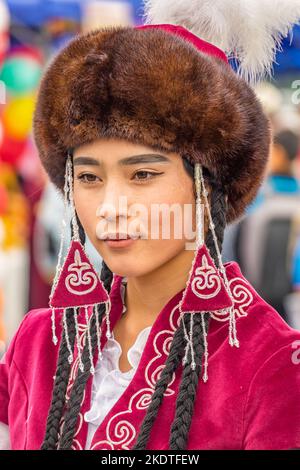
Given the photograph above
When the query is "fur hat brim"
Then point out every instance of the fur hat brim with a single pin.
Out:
(153, 88)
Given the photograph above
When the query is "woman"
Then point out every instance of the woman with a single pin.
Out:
(141, 360)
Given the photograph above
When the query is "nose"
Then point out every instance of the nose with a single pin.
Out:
(113, 206)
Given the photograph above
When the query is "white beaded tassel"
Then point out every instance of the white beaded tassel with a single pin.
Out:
(233, 341)
(70, 358)
(188, 338)
(92, 369)
(107, 310)
(99, 332)
(199, 218)
(205, 374)
(199, 243)
(184, 360)
(71, 200)
(59, 260)
(193, 363)
(189, 342)
(54, 337)
(81, 366)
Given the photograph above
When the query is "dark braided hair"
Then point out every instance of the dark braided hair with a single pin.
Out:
(190, 378)
(60, 386)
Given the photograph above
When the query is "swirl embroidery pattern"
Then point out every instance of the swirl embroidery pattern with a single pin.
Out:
(206, 278)
(78, 277)
(242, 299)
(120, 432)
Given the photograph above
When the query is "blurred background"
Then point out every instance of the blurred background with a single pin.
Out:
(265, 243)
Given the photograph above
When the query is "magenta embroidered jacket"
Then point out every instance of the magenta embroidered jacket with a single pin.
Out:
(251, 399)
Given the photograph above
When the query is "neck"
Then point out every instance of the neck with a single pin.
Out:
(147, 295)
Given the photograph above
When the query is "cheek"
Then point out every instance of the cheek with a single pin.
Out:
(168, 230)
(176, 218)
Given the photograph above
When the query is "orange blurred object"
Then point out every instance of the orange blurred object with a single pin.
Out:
(3, 200)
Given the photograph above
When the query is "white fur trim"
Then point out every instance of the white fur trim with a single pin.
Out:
(249, 30)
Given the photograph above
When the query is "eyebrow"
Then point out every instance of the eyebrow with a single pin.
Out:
(145, 158)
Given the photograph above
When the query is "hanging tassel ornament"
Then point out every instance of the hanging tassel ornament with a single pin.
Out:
(233, 341)
(206, 290)
(58, 265)
(76, 284)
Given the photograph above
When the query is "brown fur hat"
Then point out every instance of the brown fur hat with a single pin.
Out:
(154, 88)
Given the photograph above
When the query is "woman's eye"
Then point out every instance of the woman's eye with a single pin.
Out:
(87, 178)
(145, 175)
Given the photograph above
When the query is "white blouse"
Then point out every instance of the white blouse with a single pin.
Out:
(108, 382)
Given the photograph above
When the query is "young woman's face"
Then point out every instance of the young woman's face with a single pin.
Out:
(130, 188)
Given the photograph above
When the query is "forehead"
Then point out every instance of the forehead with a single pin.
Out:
(103, 151)
(113, 145)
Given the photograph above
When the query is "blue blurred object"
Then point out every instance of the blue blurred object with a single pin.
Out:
(36, 12)
(30, 18)
(284, 184)
(289, 59)
(274, 184)
(296, 267)
(138, 10)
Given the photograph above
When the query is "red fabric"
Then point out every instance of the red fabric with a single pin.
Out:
(251, 399)
(78, 282)
(206, 292)
(199, 43)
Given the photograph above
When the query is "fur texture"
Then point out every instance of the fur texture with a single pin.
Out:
(249, 30)
(152, 87)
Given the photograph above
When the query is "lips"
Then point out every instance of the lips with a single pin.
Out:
(119, 243)
(118, 236)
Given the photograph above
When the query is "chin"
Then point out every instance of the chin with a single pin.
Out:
(124, 272)
(123, 267)
(131, 262)
(131, 267)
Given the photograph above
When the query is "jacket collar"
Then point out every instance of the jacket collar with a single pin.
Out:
(119, 428)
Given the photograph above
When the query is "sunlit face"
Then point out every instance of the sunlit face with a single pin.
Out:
(108, 171)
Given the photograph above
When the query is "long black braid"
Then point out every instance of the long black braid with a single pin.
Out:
(60, 386)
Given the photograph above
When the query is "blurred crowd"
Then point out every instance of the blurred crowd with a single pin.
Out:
(266, 241)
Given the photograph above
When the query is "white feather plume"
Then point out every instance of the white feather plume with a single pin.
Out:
(249, 30)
